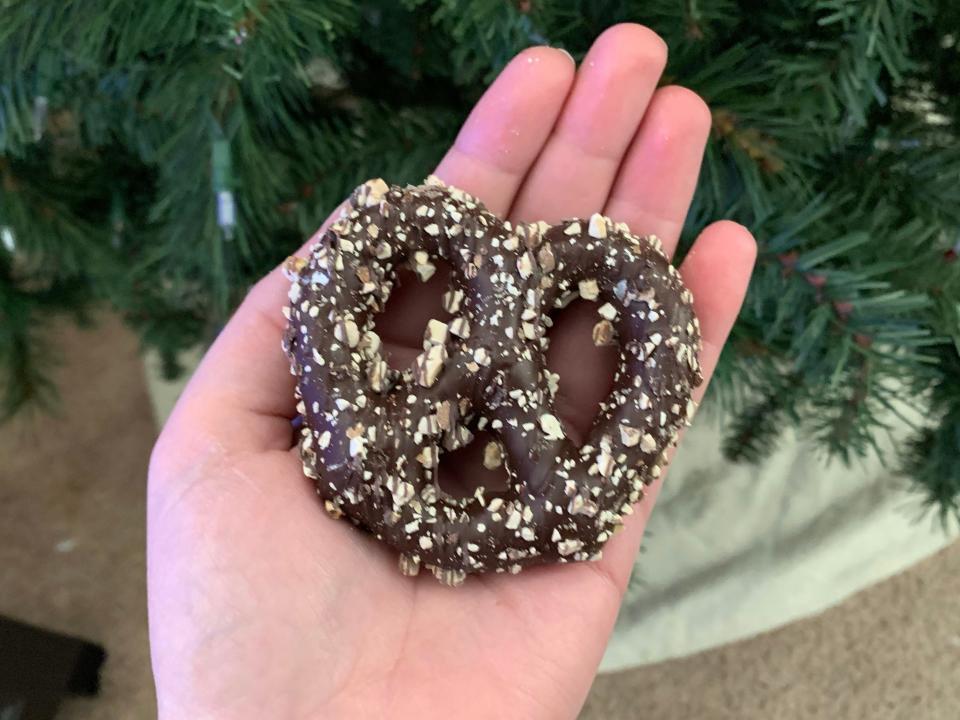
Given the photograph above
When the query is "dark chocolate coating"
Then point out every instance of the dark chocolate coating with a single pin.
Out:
(373, 436)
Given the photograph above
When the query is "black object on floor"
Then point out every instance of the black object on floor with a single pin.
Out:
(38, 667)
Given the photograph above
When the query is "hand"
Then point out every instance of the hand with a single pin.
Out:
(263, 607)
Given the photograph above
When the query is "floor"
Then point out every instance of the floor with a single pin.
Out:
(72, 495)
(71, 559)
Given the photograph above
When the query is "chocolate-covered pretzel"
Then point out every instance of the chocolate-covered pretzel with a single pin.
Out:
(373, 436)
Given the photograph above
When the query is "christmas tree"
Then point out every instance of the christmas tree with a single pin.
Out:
(158, 157)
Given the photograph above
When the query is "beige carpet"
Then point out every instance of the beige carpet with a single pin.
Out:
(72, 494)
(71, 558)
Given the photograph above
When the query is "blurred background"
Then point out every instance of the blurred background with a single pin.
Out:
(155, 159)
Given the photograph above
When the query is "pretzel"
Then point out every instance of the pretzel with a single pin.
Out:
(373, 436)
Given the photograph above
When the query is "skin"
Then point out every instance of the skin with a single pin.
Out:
(262, 606)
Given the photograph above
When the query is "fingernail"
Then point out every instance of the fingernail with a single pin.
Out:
(567, 53)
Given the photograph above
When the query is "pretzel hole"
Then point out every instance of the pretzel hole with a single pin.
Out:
(412, 304)
(462, 471)
(586, 371)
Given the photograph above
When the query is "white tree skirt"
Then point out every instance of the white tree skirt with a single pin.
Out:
(733, 550)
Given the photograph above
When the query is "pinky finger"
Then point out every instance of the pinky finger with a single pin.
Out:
(717, 270)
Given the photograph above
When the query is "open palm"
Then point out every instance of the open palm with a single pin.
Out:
(261, 606)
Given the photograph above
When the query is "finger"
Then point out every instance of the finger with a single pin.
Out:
(508, 126)
(656, 182)
(717, 271)
(577, 167)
